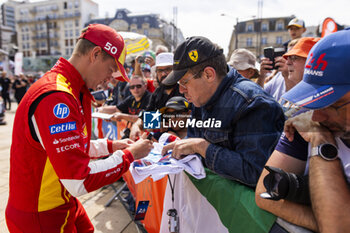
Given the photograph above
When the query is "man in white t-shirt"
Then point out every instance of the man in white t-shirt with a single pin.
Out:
(317, 143)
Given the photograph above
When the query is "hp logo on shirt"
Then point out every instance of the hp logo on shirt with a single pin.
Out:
(151, 120)
(61, 111)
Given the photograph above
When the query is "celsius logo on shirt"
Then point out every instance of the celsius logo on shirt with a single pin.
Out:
(61, 111)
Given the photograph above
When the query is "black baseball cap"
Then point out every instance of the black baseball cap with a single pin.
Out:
(193, 51)
(178, 103)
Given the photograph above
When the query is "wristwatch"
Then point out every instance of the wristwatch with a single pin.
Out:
(327, 151)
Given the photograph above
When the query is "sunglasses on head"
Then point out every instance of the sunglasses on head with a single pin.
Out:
(138, 86)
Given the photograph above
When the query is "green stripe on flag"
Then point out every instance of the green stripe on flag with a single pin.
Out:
(234, 203)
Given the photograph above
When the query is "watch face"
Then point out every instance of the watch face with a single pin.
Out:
(328, 151)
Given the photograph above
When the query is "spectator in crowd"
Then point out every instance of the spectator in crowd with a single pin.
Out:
(101, 87)
(5, 83)
(51, 149)
(176, 110)
(161, 49)
(146, 71)
(122, 91)
(317, 142)
(277, 86)
(296, 28)
(2, 111)
(148, 58)
(143, 66)
(248, 122)
(296, 58)
(113, 91)
(129, 108)
(20, 86)
(164, 65)
(244, 62)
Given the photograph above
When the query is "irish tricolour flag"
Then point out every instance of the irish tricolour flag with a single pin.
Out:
(214, 205)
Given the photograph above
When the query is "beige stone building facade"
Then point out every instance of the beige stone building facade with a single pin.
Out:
(151, 25)
(255, 34)
(51, 27)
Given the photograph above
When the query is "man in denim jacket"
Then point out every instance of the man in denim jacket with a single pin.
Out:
(236, 124)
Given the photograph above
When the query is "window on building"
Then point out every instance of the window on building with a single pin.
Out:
(264, 40)
(65, 5)
(71, 33)
(77, 32)
(280, 26)
(77, 22)
(249, 27)
(264, 27)
(67, 52)
(249, 42)
(71, 42)
(279, 40)
(145, 32)
(67, 42)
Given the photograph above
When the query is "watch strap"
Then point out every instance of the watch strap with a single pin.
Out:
(316, 151)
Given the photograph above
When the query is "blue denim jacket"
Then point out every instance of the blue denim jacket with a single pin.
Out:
(251, 124)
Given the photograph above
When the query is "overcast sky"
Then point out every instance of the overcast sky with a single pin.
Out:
(203, 17)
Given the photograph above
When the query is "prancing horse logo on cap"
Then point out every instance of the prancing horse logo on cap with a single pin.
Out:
(193, 54)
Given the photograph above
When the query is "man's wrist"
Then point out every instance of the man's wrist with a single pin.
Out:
(202, 147)
(326, 151)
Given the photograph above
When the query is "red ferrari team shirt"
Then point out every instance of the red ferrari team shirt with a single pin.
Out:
(51, 149)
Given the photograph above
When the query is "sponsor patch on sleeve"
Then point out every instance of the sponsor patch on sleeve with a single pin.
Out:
(61, 111)
(63, 127)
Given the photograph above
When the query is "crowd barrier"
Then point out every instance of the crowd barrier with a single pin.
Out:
(212, 204)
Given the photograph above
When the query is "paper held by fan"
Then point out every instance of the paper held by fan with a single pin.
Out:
(103, 116)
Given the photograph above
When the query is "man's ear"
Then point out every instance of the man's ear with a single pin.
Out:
(95, 53)
(209, 74)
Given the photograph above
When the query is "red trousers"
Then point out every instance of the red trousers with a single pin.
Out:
(70, 218)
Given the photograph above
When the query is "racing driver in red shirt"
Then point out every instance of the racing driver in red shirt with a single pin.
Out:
(51, 151)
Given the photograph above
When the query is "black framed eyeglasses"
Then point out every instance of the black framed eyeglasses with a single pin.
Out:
(183, 83)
